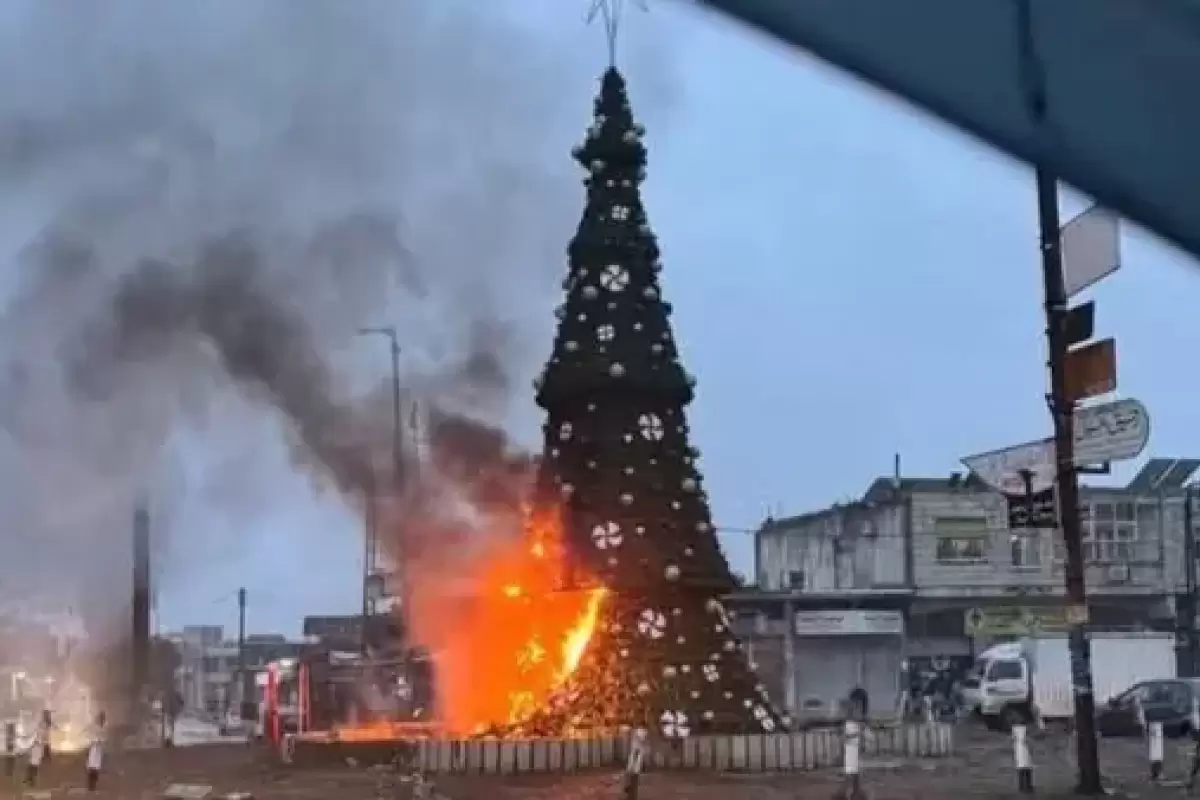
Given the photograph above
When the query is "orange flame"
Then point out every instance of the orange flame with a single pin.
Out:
(506, 644)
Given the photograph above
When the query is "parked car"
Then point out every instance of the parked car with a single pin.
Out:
(1168, 701)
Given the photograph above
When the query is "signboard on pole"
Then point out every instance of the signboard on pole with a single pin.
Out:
(1091, 370)
(1014, 621)
(1110, 432)
(1034, 510)
(1091, 249)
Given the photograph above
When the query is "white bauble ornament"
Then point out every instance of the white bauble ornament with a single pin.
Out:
(626, 499)
(643, 688)
(590, 292)
(617, 369)
(649, 293)
(669, 671)
(672, 572)
(571, 345)
(689, 484)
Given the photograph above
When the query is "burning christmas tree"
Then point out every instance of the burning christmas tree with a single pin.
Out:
(618, 464)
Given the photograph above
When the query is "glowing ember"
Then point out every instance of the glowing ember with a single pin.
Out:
(504, 646)
(383, 731)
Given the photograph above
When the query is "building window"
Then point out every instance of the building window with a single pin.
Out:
(1110, 529)
(1026, 548)
(962, 540)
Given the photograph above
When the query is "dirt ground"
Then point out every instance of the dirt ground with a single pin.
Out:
(982, 768)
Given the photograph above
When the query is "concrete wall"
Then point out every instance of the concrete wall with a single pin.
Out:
(850, 547)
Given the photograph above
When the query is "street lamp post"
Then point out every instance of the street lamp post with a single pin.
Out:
(388, 331)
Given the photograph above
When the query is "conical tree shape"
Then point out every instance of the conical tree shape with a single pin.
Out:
(618, 463)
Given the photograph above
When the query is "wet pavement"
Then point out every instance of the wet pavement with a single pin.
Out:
(982, 768)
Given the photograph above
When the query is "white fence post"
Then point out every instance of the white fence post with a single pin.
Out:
(1155, 737)
(1022, 760)
(852, 762)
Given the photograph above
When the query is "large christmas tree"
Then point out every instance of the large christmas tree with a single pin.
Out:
(618, 464)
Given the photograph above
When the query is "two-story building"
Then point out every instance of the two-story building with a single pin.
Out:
(923, 570)
(829, 608)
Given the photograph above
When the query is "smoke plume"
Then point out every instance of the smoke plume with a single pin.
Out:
(204, 202)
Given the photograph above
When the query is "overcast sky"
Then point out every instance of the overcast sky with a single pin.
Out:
(851, 280)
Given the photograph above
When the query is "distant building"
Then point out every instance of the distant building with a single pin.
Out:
(344, 631)
(922, 570)
(209, 664)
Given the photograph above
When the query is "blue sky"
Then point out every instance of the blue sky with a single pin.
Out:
(851, 280)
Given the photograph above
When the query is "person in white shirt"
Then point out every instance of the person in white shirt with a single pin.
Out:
(95, 753)
(38, 748)
(45, 728)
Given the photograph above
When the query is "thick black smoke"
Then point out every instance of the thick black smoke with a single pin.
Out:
(203, 202)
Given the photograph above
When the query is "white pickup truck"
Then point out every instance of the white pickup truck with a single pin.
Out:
(1004, 674)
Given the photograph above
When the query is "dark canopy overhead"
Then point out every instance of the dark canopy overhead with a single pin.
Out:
(1122, 76)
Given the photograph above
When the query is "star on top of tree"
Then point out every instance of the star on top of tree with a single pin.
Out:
(611, 12)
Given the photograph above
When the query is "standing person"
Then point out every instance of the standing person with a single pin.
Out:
(859, 703)
(95, 753)
(45, 728)
(37, 753)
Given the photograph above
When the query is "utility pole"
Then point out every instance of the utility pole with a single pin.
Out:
(241, 653)
(396, 493)
(368, 559)
(1062, 409)
(140, 633)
